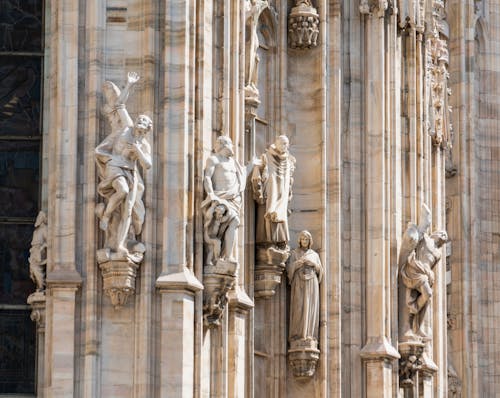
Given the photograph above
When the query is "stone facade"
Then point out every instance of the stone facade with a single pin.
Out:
(338, 119)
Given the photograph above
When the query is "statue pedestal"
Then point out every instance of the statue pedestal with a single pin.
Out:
(303, 27)
(268, 270)
(303, 356)
(218, 279)
(37, 303)
(410, 362)
(119, 280)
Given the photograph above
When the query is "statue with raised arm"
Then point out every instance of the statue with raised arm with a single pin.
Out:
(418, 256)
(118, 157)
(38, 252)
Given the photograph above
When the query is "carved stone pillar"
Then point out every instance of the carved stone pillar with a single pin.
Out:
(378, 353)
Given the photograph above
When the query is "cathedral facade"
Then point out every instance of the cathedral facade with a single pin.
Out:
(250, 198)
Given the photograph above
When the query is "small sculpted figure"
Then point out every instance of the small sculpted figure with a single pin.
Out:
(305, 273)
(418, 256)
(38, 252)
(253, 9)
(272, 186)
(121, 185)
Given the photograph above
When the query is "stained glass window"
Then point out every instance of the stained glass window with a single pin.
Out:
(21, 60)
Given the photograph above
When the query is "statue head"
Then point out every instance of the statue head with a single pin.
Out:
(143, 125)
(40, 219)
(305, 240)
(282, 143)
(440, 238)
(224, 146)
(219, 211)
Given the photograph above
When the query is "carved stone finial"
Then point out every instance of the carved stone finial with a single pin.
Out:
(272, 189)
(305, 273)
(121, 216)
(38, 252)
(303, 25)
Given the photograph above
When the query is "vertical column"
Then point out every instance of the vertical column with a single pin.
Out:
(62, 277)
(176, 284)
(378, 353)
(239, 302)
(94, 25)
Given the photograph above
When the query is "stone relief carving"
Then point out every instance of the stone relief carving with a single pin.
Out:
(38, 252)
(410, 363)
(224, 182)
(122, 213)
(272, 182)
(303, 25)
(253, 10)
(440, 127)
(418, 256)
(305, 273)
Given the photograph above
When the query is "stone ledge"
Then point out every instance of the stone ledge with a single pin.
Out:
(379, 348)
(68, 279)
(179, 281)
(239, 300)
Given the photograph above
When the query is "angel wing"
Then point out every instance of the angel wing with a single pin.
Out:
(409, 243)
(425, 219)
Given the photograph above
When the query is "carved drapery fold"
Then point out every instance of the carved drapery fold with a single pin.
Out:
(272, 181)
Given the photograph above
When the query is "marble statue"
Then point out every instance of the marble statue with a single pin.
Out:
(121, 185)
(224, 183)
(38, 252)
(305, 273)
(253, 9)
(418, 256)
(272, 186)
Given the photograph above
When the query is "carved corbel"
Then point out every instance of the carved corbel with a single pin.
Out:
(303, 25)
(377, 7)
(410, 363)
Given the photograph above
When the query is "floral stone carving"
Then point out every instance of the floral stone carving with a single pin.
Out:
(305, 273)
(303, 25)
(224, 182)
(272, 181)
(121, 216)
